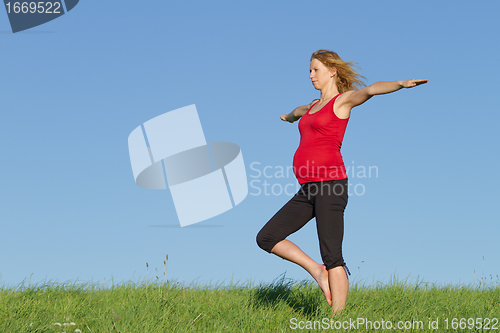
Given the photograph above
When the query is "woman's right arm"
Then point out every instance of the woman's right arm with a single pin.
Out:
(296, 113)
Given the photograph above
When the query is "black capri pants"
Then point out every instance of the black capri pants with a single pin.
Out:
(325, 200)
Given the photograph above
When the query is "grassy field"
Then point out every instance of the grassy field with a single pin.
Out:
(282, 306)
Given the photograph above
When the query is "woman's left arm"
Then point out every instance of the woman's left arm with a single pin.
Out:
(357, 97)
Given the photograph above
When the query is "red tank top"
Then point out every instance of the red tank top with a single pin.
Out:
(318, 157)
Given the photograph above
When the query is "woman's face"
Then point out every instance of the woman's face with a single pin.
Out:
(320, 75)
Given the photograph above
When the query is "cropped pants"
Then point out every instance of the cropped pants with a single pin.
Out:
(325, 200)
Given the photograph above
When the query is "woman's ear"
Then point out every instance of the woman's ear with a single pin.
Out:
(333, 72)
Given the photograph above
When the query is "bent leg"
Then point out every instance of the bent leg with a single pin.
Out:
(291, 252)
(289, 219)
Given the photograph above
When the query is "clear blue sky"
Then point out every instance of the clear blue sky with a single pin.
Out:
(74, 88)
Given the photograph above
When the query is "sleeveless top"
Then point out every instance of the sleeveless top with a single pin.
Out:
(318, 157)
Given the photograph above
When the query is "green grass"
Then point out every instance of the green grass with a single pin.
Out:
(173, 307)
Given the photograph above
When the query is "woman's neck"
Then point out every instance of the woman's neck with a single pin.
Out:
(328, 93)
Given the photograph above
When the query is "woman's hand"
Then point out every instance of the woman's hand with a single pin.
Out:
(413, 83)
(286, 117)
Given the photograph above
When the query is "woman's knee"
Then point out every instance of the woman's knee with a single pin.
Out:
(264, 241)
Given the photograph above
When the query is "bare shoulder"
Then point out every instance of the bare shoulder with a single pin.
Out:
(344, 97)
(341, 107)
(353, 98)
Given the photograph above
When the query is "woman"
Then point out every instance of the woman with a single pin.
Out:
(321, 173)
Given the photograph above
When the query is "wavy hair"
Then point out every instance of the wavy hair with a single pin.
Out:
(347, 77)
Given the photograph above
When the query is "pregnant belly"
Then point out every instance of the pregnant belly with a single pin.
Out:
(318, 165)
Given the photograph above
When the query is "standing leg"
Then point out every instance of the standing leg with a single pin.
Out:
(329, 207)
(339, 286)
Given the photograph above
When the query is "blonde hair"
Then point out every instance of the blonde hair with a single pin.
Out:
(347, 77)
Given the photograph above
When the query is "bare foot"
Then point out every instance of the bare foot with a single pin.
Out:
(321, 276)
(337, 313)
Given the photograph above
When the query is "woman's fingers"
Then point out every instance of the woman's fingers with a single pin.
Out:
(418, 82)
(415, 82)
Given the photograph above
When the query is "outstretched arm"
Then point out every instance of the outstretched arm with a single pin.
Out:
(357, 97)
(296, 113)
